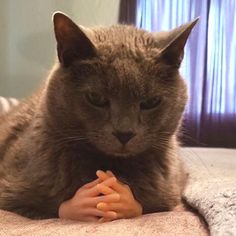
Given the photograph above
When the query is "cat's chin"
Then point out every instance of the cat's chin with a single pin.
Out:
(123, 154)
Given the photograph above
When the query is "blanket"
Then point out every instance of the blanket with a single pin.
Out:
(179, 223)
(212, 187)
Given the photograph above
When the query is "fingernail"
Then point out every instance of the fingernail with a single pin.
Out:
(109, 172)
(112, 214)
(101, 205)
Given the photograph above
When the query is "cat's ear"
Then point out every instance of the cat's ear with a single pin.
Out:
(72, 42)
(173, 52)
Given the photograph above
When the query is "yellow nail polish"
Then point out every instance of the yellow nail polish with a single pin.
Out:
(101, 205)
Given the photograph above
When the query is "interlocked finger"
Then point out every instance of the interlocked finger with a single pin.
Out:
(95, 190)
(92, 212)
(102, 175)
(93, 201)
(109, 173)
(91, 184)
(109, 217)
(105, 189)
(110, 206)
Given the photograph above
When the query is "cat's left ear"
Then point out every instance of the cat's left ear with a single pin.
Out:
(72, 42)
(173, 52)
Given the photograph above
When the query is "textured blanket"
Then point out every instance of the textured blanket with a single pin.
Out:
(212, 187)
(179, 223)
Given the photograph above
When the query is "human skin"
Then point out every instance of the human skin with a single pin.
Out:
(126, 207)
(116, 201)
(82, 206)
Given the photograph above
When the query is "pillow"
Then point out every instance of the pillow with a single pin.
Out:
(7, 103)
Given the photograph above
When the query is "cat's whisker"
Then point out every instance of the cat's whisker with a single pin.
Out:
(70, 139)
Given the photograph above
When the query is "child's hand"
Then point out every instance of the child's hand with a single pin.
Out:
(82, 206)
(126, 207)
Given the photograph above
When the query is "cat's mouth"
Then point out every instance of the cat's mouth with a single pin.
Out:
(122, 154)
(112, 150)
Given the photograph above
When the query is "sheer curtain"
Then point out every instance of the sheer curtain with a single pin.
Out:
(209, 65)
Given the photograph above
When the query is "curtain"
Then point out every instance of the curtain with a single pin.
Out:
(209, 65)
(128, 11)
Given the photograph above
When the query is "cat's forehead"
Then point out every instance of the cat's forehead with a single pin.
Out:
(123, 40)
(122, 77)
(123, 34)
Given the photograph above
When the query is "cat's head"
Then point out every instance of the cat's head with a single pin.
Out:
(118, 87)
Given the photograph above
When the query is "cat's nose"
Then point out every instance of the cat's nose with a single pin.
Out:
(124, 137)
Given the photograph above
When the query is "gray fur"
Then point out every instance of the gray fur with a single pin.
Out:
(53, 142)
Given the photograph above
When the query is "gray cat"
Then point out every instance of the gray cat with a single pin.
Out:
(114, 101)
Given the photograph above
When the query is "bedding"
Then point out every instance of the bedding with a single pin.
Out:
(180, 223)
(211, 191)
(7, 103)
(212, 187)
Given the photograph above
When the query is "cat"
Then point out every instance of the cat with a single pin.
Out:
(113, 101)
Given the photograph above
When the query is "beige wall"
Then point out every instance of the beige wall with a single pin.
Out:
(27, 46)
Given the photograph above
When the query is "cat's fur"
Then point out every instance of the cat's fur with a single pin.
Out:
(53, 142)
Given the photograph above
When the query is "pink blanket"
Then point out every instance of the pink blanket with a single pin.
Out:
(180, 223)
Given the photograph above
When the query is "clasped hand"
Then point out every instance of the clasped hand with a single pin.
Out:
(104, 199)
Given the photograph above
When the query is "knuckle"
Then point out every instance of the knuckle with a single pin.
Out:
(101, 199)
(79, 191)
(126, 186)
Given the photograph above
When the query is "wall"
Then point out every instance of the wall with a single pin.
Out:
(27, 45)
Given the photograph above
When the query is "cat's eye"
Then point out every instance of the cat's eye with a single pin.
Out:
(97, 100)
(150, 103)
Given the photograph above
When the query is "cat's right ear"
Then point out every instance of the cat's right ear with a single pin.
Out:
(72, 42)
